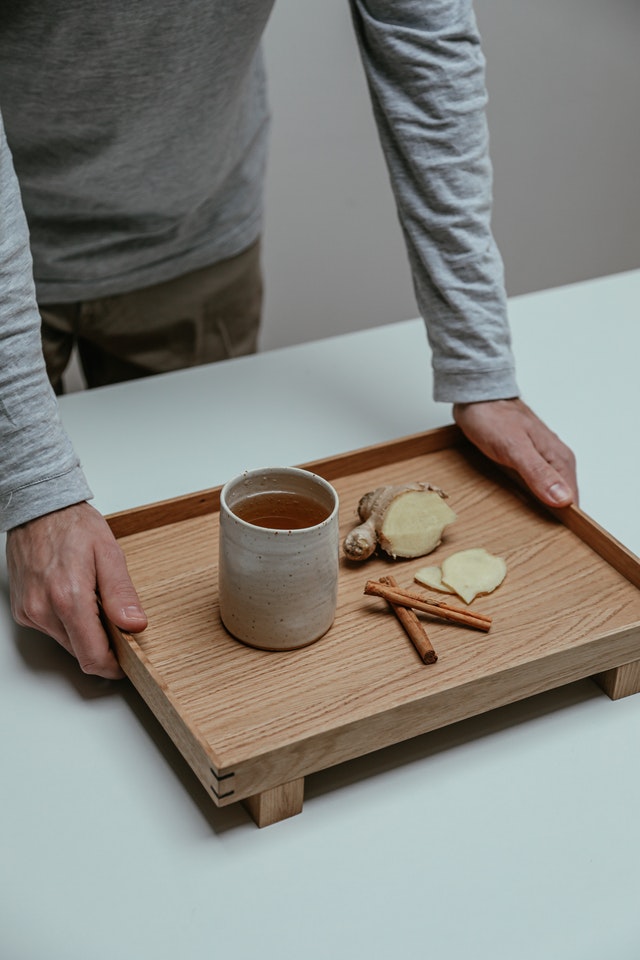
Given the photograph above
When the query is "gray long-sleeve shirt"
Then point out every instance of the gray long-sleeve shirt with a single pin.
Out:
(138, 134)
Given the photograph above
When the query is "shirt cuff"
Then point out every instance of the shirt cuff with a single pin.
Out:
(498, 384)
(44, 496)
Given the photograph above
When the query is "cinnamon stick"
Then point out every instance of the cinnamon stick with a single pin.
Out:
(443, 605)
(412, 626)
(437, 608)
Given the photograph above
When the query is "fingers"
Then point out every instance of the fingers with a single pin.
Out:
(68, 612)
(72, 619)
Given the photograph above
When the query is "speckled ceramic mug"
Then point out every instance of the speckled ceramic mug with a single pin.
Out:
(278, 562)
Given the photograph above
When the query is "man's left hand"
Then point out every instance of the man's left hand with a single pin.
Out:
(510, 433)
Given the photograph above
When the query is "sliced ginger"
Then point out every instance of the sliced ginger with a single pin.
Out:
(432, 577)
(405, 520)
(469, 573)
(473, 572)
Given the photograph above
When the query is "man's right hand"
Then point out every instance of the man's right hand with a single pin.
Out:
(59, 565)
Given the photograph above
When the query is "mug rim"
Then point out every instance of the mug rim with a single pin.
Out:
(290, 471)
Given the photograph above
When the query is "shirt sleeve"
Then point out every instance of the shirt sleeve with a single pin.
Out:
(39, 470)
(425, 70)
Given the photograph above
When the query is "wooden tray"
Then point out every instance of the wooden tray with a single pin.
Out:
(253, 724)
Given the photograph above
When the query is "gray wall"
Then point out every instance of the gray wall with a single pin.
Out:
(564, 115)
(564, 84)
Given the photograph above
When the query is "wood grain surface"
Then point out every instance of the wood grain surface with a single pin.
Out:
(249, 721)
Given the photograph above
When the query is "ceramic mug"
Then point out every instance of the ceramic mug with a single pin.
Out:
(278, 562)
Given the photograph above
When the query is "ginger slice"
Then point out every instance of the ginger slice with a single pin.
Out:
(406, 520)
(432, 577)
(473, 572)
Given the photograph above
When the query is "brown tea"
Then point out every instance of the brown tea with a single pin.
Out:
(281, 510)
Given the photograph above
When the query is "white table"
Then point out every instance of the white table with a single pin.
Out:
(512, 835)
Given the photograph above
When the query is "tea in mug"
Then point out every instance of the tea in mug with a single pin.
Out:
(281, 510)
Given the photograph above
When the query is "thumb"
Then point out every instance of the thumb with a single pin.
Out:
(557, 493)
(117, 593)
(547, 483)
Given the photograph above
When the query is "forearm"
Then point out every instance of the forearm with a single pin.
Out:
(39, 470)
(425, 71)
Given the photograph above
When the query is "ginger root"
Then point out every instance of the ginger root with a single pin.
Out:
(469, 573)
(405, 521)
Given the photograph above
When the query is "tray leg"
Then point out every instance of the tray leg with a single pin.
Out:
(620, 681)
(276, 804)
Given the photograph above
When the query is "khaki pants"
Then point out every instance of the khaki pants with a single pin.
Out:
(207, 315)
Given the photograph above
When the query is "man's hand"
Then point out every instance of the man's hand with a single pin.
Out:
(58, 566)
(510, 433)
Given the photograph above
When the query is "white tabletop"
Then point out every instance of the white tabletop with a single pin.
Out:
(512, 835)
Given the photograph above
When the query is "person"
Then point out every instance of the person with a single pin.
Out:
(131, 176)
